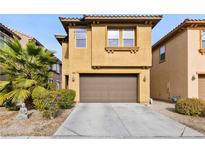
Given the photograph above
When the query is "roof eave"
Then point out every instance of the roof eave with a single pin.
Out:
(185, 24)
(10, 31)
(60, 38)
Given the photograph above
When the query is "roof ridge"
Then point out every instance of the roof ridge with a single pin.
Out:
(23, 33)
(123, 15)
(106, 15)
(61, 17)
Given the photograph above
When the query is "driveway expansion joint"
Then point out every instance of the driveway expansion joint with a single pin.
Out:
(74, 132)
(121, 121)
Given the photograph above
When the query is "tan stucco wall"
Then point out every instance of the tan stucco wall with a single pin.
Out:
(169, 78)
(65, 63)
(82, 60)
(24, 38)
(196, 62)
(101, 58)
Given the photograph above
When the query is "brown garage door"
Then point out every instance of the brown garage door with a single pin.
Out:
(108, 88)
(201, 86)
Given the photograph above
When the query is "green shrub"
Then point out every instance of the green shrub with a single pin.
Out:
(192, 107)
(66, 98)
(48, 105)
(39, 93)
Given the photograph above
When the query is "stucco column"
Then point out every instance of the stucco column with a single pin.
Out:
(144, 86)
(63, 81)
(74, 83)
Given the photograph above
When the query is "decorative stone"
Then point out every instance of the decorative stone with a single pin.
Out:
(151, 101)
(23, 112)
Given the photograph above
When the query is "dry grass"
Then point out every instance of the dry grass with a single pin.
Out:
(168, 109)
(36, 125)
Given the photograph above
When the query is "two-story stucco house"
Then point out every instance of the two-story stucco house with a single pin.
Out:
(56, 68)
(5, 35)
(8, 33)
(108, 58)
(179, 62)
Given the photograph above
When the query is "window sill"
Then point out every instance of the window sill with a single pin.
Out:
(122, 49)
(55, 72)
(202, 51)
(161, 61)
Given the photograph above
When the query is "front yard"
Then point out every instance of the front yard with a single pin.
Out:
(168, 109)
(36, 125)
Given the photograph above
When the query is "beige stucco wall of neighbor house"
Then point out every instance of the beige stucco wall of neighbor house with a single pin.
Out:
(65, 63)
(24, 38)
(169, 78)
(81, 60)
(196, 62)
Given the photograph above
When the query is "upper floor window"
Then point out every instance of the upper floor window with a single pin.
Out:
(113, 37)
(162, 53)
(203, 39)
(56, 68)
(128, 37)
(80, 36)
(122, 37)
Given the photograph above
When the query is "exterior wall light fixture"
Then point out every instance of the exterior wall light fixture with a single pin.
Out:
(144, 79)
(193, 78)
(73, 76)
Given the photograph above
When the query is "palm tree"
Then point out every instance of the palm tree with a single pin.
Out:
(27, 69)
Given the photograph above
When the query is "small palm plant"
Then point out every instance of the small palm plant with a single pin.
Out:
(27, 69)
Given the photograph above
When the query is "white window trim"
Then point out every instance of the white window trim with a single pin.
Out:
(85, 39)
(202, 33)
(133, 45)
(163, 46)
(118, 45)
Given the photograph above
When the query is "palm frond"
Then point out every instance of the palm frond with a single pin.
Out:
(24, 83)
(39, 92)
(14, 45)
(6, 96)
(32, 48)
(19, 95)
(4, 85)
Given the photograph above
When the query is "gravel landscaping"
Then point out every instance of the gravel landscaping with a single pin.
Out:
(36, 125)
(168, 109)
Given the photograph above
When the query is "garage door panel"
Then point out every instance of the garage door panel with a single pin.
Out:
(108, 88)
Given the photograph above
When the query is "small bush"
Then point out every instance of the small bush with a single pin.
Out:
(66, 99)
(192, 107)
(39, 93)
(48, 105)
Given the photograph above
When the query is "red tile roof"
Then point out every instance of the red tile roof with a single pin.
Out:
(86, 19)
(9, 30)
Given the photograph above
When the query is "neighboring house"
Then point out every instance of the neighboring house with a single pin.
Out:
(26, 38)
(108, 58)
(5, 35)
(179, 62)
(57, 73)
(8, 33)
(56, 78)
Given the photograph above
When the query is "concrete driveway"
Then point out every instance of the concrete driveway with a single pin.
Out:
(120, 120)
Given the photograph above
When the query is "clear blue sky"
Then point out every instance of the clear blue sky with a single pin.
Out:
(43, 27)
